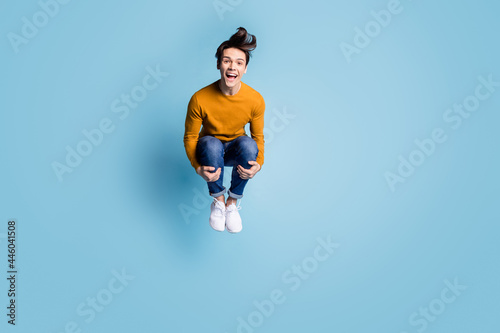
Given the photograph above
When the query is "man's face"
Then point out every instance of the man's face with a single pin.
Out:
(232, 67)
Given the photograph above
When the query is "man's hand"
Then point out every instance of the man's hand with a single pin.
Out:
(207, 173)
(249, 173)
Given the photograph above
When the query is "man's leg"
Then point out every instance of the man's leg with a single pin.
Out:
(240, 151)
(210, 152)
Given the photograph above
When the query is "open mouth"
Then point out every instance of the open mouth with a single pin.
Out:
(231, 77)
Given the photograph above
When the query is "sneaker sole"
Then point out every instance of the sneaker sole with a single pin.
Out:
(217, 229)
(234, 232)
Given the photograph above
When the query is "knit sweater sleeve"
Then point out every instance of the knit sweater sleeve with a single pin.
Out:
(257, 129)
(193, 124)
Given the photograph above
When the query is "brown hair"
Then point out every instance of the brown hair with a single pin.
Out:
(241, 40)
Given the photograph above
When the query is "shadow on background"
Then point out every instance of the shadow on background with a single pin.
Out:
(169, 185)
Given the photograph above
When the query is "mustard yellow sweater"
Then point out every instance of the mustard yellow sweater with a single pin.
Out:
(224, 117)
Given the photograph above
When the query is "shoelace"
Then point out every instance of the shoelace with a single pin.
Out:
(232, 210)
(221, 209)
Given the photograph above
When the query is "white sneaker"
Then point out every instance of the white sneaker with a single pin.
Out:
(217, 218)
(233, 219)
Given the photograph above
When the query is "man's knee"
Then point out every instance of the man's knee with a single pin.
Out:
(247, 146)
(210, 148)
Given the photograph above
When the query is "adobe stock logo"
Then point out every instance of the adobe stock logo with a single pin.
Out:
(426, 315)
(95, 304)
(31, 27)
(122, 106)
(363, 37)
(294, 277)
(454, 116)
(222, 6)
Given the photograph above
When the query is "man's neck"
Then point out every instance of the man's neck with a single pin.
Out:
(227, 90)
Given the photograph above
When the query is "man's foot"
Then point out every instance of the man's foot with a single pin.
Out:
(233, 219)
(217, 215)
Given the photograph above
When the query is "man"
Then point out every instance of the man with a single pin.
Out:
(222, 109)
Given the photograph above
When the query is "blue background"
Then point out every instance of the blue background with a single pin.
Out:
(120, 209)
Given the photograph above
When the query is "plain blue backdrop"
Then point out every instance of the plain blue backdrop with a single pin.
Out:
(337, 123)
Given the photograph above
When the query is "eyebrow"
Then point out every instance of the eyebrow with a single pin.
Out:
(230, 58)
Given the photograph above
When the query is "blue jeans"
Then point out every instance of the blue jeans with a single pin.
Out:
(210, 151)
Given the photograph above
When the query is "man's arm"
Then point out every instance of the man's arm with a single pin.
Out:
(257, 133)
(257, 129)
(194, 120)
(193, 124)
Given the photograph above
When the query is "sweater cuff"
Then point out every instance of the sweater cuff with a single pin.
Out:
(195, 165)
(260, 160)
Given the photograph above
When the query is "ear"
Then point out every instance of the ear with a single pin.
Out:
(246, 66)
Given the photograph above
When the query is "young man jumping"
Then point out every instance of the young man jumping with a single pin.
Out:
(222, 109)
